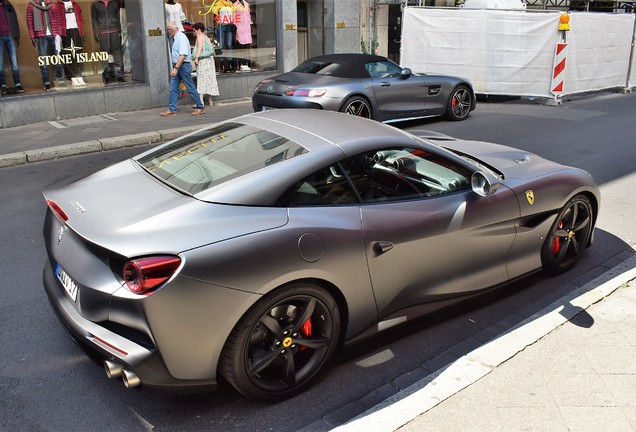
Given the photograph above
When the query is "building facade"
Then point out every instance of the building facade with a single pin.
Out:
(67, 59)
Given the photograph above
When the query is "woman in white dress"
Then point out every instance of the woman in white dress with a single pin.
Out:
(174, 12)
(206, 72)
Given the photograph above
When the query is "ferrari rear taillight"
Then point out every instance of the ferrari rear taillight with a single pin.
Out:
(57, 210)
(145, 274)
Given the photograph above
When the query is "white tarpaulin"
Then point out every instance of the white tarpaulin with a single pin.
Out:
(599, 48)
(512, 52)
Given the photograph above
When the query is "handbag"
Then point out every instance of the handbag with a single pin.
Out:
(207, 51)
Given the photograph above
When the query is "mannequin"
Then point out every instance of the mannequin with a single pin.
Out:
(224, 21)
(243, 22)
(45, 23)
(174, 13)
(107, 28)
(73, 37)
(9, 41)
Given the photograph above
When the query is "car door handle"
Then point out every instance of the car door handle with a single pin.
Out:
(383, 246)
(385, 84)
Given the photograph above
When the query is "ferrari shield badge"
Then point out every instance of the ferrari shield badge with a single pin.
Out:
(530, 197)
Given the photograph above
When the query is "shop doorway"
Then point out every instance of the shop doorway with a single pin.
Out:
(303, 34)
(394, 33)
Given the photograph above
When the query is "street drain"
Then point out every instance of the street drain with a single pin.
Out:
(82, 121)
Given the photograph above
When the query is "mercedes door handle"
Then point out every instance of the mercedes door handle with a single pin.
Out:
(385, 84)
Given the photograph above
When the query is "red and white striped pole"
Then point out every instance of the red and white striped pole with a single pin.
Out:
(558, 69)
(560, 58)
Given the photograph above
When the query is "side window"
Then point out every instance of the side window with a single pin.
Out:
(382, 69)
(328, 186)
(396, 174)
(389, 175)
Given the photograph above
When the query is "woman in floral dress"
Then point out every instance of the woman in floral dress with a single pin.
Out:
(206, 72)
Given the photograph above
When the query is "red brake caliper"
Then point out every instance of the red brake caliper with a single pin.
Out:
(454, 102)
(556, 244)
(306, 331)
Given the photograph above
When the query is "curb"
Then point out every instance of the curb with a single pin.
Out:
(104, 144)
(406, 405)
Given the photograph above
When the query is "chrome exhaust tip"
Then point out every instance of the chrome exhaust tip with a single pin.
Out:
(113, 370)
(130, 378)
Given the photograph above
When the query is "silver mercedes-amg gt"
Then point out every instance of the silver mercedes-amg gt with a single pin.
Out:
(368, 86)
(253, 248)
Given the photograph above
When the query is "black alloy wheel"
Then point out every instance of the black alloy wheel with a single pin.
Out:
(282, 342)
(569, 235)
(357, 106)
(459, 103)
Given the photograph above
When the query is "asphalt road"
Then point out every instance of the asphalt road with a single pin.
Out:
(48, 384)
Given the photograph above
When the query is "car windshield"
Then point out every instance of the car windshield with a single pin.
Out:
(213, 156)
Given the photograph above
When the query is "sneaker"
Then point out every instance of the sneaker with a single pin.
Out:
(19, 89)
(3, 89)
(47, 87)
(245, 68)
(168, 114)
(197, 112)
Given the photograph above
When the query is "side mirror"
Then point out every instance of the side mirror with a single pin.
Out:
(406, 72)
(483, 183)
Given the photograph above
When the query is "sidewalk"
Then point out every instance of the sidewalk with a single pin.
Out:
(50, 140)
(571, 367)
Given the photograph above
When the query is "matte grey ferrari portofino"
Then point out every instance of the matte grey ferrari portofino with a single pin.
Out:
(368, 86)
(253, 248)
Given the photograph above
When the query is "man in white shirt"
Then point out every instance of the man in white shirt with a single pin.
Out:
(181, 71)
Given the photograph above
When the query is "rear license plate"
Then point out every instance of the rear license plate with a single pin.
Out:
(266, 108)
(68, 284)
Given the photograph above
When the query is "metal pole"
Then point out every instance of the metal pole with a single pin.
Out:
(628, 86)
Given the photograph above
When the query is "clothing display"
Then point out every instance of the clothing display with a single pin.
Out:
(72, 38)
(224, 30)
(9, 40)
(45, 23)
(107, 28)
(61, 58)
(243, 22)
(174, 13)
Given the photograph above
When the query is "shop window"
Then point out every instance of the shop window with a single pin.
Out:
(243, 32)
(69, 45)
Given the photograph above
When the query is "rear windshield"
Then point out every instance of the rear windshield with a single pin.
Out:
(213, 156)
(352, 68)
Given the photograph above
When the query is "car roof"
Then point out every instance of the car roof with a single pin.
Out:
(319, 130)
(352, 65)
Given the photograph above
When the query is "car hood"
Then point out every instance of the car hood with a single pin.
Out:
(511, 162)
(280, 83)
(128, 212)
